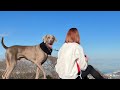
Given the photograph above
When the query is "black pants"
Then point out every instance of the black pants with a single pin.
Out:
(90, 70)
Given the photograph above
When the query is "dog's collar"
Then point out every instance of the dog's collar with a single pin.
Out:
(45, 48)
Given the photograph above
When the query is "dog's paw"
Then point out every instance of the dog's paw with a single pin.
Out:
(44, 78)
(3, 77)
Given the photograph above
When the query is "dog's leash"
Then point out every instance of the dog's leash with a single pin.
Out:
(56, 50)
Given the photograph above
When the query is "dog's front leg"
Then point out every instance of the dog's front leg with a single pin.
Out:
(40, 67)
(37, 73)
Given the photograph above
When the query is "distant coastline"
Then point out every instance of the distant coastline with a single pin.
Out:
(106, 66)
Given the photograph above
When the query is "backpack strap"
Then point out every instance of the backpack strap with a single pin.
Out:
(78, 67)
(79, 70)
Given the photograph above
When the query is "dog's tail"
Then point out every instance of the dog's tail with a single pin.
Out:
(3, 44)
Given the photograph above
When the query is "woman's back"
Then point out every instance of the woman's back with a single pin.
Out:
(66, 66)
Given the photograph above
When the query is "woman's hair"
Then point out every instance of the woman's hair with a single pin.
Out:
(73, 36)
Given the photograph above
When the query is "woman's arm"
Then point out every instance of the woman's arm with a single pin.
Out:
(79, 53)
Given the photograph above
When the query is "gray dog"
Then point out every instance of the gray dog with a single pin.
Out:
(37, 54)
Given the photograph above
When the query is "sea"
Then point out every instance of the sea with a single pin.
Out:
(106, 66)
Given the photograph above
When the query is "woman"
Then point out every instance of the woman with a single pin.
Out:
(71, 59)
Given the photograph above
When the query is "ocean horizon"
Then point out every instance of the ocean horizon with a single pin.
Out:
(106, 66)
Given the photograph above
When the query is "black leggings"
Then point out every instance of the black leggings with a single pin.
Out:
(92, 71)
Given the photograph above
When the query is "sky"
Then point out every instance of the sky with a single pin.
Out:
(99, 30)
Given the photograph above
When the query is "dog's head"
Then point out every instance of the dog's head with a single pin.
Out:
(49, 40)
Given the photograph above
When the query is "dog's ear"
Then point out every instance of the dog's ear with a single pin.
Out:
(44, 38)
(55, 39)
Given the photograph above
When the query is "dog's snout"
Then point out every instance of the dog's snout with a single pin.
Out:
(51, 41)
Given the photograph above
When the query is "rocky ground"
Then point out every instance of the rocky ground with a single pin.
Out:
(26, 70)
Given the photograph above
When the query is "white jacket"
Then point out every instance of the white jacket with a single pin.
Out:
(66, 63)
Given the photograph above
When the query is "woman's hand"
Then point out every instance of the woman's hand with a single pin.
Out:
(86, 58)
